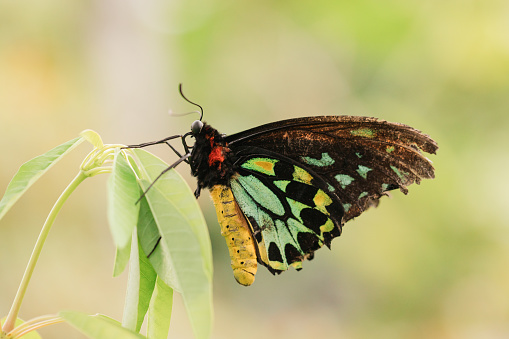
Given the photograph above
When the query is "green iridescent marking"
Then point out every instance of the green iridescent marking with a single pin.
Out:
(245, 202)
(358, 155)
(296, 207)
(346, 207)
(330, 187)
(285, 237)
(390, 149)
(362, 195)
(262, 165)
(325, 160)
(401, 174)
(262, 194)
(288, 233)
(301, 175)
(363, 132)
(344, 180)
(296, 227)
(269, 230)
(363, 171)
(281, 184)
(270, 235)
(384, 187)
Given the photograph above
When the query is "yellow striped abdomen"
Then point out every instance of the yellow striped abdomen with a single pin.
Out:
(235, 229)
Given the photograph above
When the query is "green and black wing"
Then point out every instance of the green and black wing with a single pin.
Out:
(290, 209)
(297, 181)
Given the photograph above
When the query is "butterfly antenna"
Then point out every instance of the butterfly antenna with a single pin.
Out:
(189, 101)
(184, 114)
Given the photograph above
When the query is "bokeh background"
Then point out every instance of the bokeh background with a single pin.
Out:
(433, 264)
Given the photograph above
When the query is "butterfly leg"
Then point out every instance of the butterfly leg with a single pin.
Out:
(176, 152)
(162, 141)
(175, 164)
(197, 192)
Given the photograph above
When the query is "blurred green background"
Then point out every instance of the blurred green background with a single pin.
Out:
(433, 264)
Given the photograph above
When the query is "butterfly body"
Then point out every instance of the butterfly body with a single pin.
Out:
(285, 189)
(237, 233)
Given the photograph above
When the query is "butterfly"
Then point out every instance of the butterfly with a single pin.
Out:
(284, 189)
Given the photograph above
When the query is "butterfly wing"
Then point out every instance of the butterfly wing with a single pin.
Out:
(291, 210)
(358, 158)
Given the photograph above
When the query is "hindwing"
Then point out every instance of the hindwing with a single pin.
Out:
(291, 210)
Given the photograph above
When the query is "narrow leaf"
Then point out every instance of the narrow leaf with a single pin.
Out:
(121, 259)
(182, 258)
(149, 239)
(140, 286)
(32, 170)
(98, 326)
(92, 137)
(159, 312)
(175, 189)
(123, 192)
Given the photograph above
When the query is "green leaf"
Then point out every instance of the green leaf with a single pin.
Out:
(183, 258)
(140, 285)
(123, 192)
(32, 170)
(148, 233)
(175, 190)
(150, 238)
(159, 312)
(92, 137)
(121, 259)
(98, 326)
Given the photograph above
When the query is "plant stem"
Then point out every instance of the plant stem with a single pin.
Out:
(13, 313)
(34, 324)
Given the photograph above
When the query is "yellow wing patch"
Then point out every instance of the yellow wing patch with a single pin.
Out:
(262, 165)
(268, 167)
(322, 200)
(302, 175)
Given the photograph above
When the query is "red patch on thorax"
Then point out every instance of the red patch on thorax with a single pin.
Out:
(216, 154)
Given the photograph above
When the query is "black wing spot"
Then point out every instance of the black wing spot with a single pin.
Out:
(313, 219)
(391, 187)
(328, 236)
(301, 192)
(292, 254)
(274, 253)
(283, 170)
(308, 242)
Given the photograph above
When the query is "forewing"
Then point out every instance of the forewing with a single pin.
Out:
(291, 211)
(359, 158)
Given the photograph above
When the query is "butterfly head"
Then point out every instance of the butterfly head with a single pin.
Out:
(196, 127)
